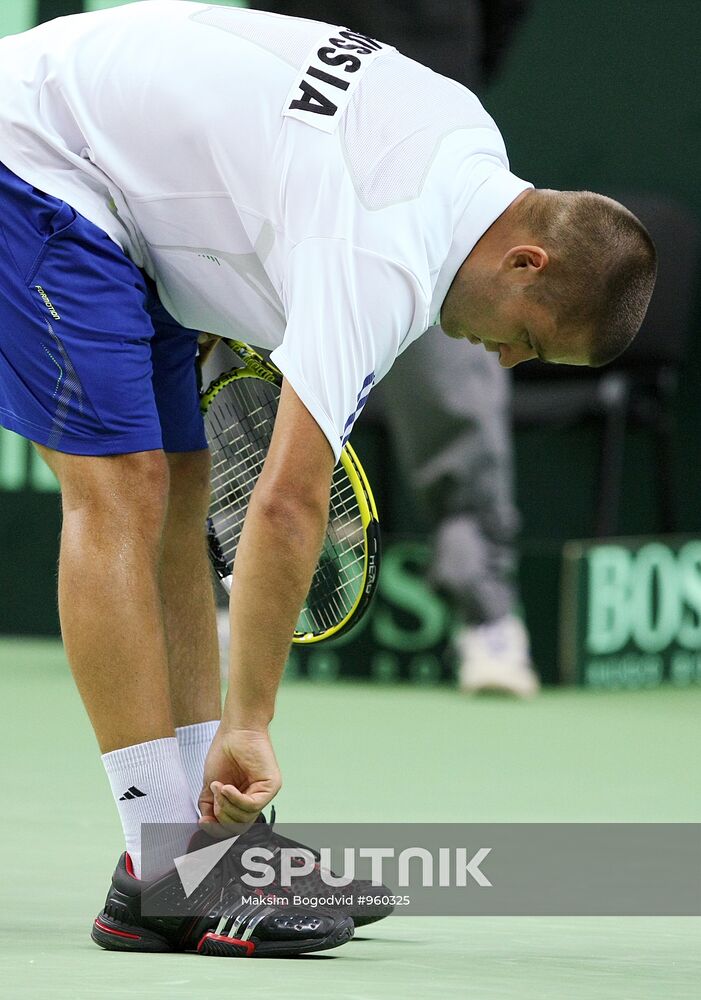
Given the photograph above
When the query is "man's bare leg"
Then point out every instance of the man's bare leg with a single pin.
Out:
(114, 510)
(187, 594)
(114, 516)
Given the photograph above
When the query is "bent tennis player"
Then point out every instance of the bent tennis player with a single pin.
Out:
(168, 168)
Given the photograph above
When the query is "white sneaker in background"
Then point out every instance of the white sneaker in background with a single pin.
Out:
(496, 657)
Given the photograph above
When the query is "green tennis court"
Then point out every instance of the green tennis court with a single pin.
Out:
(361, 753)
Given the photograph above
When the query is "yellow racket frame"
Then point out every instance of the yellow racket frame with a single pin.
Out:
(256, 366)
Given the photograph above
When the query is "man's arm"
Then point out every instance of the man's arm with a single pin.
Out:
(280, 544)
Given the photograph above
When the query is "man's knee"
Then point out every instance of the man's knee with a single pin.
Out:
(122, 487)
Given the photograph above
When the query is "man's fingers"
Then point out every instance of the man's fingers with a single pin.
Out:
(206, 806)
(217, 809)
(228, 815)
(244, 801)
(234, 806)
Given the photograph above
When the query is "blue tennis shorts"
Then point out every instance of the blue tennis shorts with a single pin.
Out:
(90, 361)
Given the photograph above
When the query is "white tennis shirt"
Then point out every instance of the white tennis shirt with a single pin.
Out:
(283, 181)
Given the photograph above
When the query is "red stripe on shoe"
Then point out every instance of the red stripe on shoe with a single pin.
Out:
(111, 930)
(209, 936)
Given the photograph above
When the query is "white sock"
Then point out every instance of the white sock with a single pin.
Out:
(149, 785)
(194, 742)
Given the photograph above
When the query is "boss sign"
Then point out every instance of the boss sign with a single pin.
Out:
(631, 612)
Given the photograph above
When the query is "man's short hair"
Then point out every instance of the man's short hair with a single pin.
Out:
(602, 266)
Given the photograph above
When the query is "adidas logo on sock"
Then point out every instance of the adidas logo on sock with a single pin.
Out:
(132, 793)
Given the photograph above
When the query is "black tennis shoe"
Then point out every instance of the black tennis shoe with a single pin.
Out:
(220, 917)
(367, 903)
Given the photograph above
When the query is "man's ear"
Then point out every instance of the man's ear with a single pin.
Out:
(526, 261)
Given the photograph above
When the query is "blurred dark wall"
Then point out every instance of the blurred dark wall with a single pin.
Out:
(46, 10)
(607, 96)
(465, 41)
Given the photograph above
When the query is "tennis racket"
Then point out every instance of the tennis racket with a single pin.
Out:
(239, 410)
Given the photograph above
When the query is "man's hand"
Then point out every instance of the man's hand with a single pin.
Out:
(241, 776)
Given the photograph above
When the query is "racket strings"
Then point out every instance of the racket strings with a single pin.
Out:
(240, 423)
